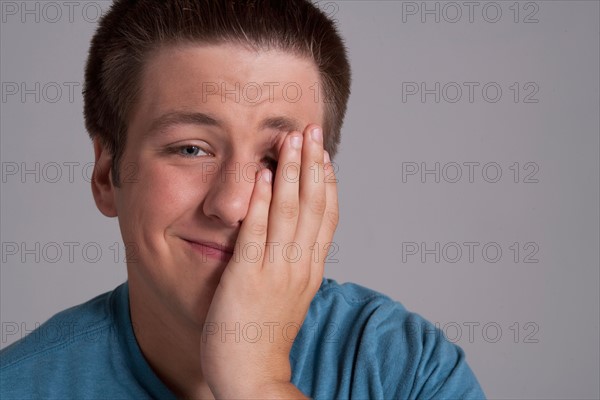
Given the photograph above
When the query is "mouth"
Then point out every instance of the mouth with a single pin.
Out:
(210, 250)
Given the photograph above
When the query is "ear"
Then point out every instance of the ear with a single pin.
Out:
(102, 184)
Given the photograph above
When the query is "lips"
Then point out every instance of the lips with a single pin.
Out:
(211, 249)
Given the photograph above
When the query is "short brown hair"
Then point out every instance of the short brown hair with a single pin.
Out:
(133, 28)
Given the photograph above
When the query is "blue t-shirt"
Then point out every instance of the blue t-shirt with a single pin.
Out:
(354, 343)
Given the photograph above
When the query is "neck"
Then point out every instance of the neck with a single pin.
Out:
(170, 343)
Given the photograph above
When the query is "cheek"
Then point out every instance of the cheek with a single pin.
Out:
(156, 200)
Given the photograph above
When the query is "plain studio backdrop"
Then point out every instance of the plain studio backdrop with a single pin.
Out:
(468, 177)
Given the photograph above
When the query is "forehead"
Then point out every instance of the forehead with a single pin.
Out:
(231, 81)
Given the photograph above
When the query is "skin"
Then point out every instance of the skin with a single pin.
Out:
(172, 191)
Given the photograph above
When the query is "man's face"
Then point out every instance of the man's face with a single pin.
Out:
(207, 119)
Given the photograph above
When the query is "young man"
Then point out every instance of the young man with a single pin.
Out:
(213, 125)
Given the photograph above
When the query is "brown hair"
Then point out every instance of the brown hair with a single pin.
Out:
(133, 28)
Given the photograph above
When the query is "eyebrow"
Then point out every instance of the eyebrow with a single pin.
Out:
(165, 121)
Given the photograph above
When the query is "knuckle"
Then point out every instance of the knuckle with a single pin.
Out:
(288, 209)
(318, 205)
(332, 219)
(258, 228)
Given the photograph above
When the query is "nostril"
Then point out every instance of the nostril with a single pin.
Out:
(227, 203)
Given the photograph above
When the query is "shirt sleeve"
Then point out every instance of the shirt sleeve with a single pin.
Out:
(415, 360)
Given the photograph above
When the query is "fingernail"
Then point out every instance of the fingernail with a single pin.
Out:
(297, 141)
(317, 135)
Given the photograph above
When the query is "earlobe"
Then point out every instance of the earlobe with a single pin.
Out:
(103, 188)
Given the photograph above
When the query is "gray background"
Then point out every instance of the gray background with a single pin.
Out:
(530, 329)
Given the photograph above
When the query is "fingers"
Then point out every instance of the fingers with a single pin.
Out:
(312, 188)
(302, 216)
(328, 225)
(298, 201)
(285, 205)
(253, 231)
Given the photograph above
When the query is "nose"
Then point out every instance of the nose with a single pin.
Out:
(228, 198)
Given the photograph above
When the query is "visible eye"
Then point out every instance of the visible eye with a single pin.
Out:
(188, 150)
(271, 163)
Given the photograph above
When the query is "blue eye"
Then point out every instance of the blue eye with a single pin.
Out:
(189, 151)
